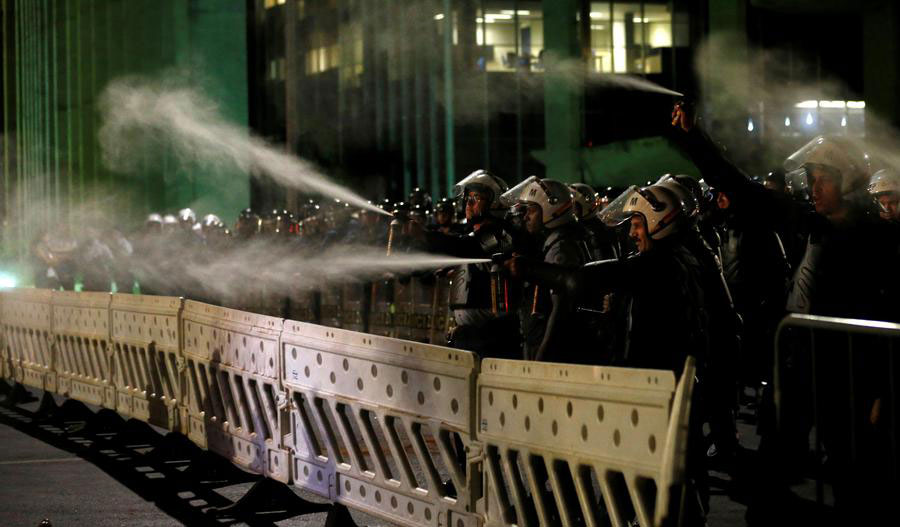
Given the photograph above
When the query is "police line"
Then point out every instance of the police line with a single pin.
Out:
(414, 433)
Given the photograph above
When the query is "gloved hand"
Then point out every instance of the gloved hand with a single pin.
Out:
(684, 116)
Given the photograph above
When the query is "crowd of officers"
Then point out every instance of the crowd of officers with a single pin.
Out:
(642, 277)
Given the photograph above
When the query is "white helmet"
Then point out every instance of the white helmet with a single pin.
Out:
(187, 215)
(884, 181)
(485, 182)
(688, 200)
(586, 203)
(658, 204)
(553, 197)
(836, 153)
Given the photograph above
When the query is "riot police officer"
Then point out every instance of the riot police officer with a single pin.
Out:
(547, 314)
(482, 323)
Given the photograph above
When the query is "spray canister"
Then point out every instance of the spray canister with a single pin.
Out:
(499, 284)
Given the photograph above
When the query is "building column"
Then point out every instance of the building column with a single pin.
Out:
(881, 53)
(563, 99)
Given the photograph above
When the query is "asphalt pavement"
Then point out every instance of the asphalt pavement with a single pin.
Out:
(74, 476)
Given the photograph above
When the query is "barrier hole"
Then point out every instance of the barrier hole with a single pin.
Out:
(427, 514)
(634, 417)
(319, 475)
(515, 401)
(319, 359)
(652, 443)
(490, 398)
(527, 423)
(359, 384)
(454, 406)
(261, 346)
(437, 384)
(584, 432)
(394, 502)
(271, 362)
(567, 493)
(569, 409)
(617, 437)
(590, 485)
(331, 432)
(374, 371)
(228, 335)
(346, 365)
(515, 482)
(293, 353)
(410, 508)
(377, 496)
(421, 398)
(308, 423)
(404, 377)
(306, 471)
(266, 419)
(540, 405)
(380, 449)
(555, 427)
(347, 486)
(502, 419)
(619, 494)
(333, 378)
(406, 452)
(460, 523)
(646, 491)
(389, 390)
(362, 491)
(600, 413)
(253, 358)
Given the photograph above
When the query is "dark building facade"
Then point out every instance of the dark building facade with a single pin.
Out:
(386, 95)
(391, 95)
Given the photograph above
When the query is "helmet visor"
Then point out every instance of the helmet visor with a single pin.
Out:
(523, 192)
(475, 180)
(614, 214)
(796, 182)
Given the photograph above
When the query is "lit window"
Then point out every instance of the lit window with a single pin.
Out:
(601, 38)
(322, 59)
(640, 32)
(505, 45)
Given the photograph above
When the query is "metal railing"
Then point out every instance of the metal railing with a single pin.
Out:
(837, 378)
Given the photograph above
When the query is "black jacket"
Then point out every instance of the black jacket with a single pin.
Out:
(547, 314)
(666, 310)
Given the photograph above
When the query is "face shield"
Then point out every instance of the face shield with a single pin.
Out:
(614, 214)
(479, 181)
(836, 154)
(524, 192)
(796, 183)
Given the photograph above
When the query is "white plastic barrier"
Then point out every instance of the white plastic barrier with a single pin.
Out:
(570, 445)
(233, 390)
(81, 336)
(146, 357)
(27, 323)
(382, 425)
